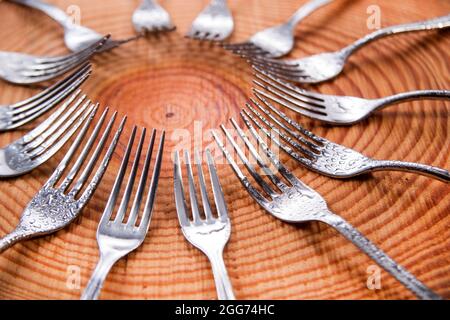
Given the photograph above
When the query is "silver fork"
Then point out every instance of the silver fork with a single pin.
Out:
(325, 66)
(214, 23)
(296, 202)
(321, 155)
(116, 238)
(40, 144)
(76, 37)
(18, 114)
(151, 17)
(54, 207)
(209, 235)
(276, 41)
(340, 110)
(22, 68)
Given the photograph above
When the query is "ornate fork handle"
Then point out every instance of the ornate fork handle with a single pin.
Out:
(401, 274)
(101, 270)
(412, 95)
(305, 11)
(423, 169)
(223, 283)
(437, 23)
(54, 12)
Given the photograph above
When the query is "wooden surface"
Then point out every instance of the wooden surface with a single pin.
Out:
(171, 82)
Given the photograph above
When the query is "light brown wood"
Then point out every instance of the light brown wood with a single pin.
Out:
(171, 82)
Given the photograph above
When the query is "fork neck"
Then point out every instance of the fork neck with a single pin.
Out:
(11, 239)
(305, 11)
(411, 95)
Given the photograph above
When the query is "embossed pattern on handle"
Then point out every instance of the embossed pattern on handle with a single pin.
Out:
(95, 283)
(401, 274)
(54, 12)
(305, 11)
(423, 169)
(221, 279)
(436, 23)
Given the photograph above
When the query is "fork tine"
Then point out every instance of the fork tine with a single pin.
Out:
(219, 198)
(92, 186)
(282, 169)
(148, 208)
(275, 180)
(84, 153)
(285, 137)
(118, 182)
(73, 148)
(203, 192)
(196, 219)
(91, 163)
(296, 125)
(36, 132)
(140, 190)
(46, 139)
(37, 111)
(129, 188)
(264, 185)
(254, 193)
(180, 201)
(308, 143)
(43, 95)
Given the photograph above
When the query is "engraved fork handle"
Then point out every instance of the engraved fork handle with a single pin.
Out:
(52, 11)
(437, 23)
(305, 11)
(221, 279)
(400, 273)
(422, 169)
(101, 270)
(411, 95)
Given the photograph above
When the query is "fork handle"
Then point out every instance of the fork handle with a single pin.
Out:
(11, 239)
(422, 169)
(400, 273)
(221, 279)
(95, 283)
(305, 11)
(52, 11)
(412, 95)
(436, 23)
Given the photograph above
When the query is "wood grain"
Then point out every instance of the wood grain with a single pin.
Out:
(176, 84)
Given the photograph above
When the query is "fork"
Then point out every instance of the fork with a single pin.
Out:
(214, 23)
(325, 66)
(340, 110)
(116, 238)
(76, 37)
(18, 114)
(209, 235)
(151, 17)
(276, 41)
(54, 207)
(297, 203)
(40, 144)
(321, 155)
(22, 68)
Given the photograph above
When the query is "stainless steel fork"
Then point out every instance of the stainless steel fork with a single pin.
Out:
(151, 17)
(209, 235)
(321, 155)
(76, 37)
(276, 41)
(22, 68)
(296, 202)
(339, 110)
(116, 238)
(18, 114)
(214, 23)
(40, 144)
(325, 66)
(53, 208)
